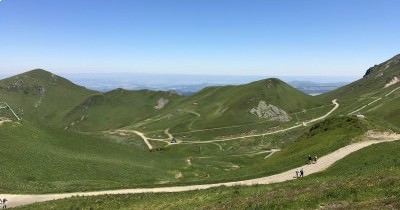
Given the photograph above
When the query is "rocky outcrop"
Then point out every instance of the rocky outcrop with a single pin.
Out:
(393, 81)
(381, 69)
(161, 103)
(271, 112)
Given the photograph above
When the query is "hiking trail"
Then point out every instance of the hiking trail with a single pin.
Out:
(323, 163)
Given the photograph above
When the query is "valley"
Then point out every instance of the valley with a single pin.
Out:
(72, 139)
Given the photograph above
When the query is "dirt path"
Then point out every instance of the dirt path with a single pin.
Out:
(4, 121)
(363, 107)
(242, 125)
(141, 136)
(270, 133)
(392, 92)
(376, 100)
(323, 163)
(170, 136)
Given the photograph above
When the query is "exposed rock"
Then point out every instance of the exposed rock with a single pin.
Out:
(393, 81)
(269, 83)
(161, 103)
(380, 74)
(54, 77)
(379, 70)
(369, 71)
(269, 111)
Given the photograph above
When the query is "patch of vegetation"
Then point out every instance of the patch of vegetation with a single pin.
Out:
(58, 161)
(367, 179)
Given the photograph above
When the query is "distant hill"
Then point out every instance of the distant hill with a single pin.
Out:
(265, 100)
(118, 108)
(41, 96)
(316, 88)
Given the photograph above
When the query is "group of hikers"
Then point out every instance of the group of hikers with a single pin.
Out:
(299, 173)
(311, 160)
(3, 203)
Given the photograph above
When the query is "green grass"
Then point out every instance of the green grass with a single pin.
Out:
(367, 179)
(41, 97)
(231, 105)
(41, 160)
(116, 109)
(370, 85)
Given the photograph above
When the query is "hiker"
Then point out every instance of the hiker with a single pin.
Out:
(4, 203)
(297, 173)
(301, 172)
(315, 159)
(309, 159)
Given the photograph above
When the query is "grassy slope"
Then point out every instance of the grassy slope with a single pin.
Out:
(367, 89)
(231, 105)
(367, 179)
(387, 113)
(42, 97)
(55, 161)
(117, 108)
(46, 160)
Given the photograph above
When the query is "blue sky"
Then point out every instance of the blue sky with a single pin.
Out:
(281, 37)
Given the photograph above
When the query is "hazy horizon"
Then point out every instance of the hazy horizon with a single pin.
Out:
(309, 78)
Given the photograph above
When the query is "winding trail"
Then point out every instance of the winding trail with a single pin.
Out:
(145, 139)
(273, 132)
(374, 101)
(323, 163)
(242, 125)
(170, 136)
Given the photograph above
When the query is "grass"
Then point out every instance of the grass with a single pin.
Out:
(231, 105)
(116, 109)
(59, 161)
(41, 97)
(367, 179)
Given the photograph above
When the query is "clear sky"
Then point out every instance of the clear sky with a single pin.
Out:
(236, 37)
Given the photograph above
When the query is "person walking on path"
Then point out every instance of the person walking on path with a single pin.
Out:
(315, 159)
(4, 203)
(309, 159)
(301, 173)
(297, 173)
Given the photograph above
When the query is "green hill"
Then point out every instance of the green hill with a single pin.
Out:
(118, 108)
(70, 140)
(270, 102)
(42, 97)
(376, 80)
(376, 95)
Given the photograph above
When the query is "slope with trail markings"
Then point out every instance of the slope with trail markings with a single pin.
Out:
(336, 106)
(323, 163)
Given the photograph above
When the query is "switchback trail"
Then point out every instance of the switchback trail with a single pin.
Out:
(145, 139)
(376, 100)
(334, 102)
(270, 133)
(323, 163)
